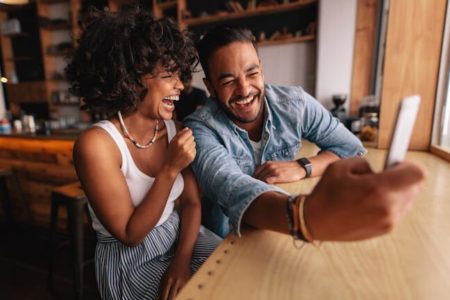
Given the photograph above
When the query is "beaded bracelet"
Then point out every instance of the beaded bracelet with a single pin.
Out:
(293, 222)
(303, 227)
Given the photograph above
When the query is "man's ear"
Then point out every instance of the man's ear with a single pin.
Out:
(262, 68)
(209, 87)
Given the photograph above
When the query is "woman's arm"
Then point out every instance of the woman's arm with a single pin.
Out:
(190, 214)
(179, 270)
(97, 161)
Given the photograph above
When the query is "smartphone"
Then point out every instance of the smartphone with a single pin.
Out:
(404, 124)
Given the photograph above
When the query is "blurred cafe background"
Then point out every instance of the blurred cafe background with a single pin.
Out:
(357, 57)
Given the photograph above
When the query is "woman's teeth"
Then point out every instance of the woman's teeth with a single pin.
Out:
(168, 101)
(172, 98)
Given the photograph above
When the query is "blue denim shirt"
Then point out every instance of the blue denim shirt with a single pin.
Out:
(225, 159)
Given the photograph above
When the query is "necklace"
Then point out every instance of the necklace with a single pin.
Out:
(127, 135)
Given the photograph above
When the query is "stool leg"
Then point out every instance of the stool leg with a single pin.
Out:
(52, 246)
(23, 201)
(75, 216)
(5, 200)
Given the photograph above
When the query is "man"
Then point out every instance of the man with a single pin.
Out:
(247, 138)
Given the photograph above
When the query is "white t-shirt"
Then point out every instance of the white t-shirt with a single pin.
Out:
(257, 150)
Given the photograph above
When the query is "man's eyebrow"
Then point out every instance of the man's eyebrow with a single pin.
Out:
(252, 68)
(225, 75)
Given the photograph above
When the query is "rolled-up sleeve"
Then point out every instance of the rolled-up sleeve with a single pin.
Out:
(327, 132)
(220, 177)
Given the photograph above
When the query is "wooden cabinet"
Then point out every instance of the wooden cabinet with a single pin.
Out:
(277, 23)
(40, 164)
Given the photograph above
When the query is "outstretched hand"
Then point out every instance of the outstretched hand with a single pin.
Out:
(351, 202)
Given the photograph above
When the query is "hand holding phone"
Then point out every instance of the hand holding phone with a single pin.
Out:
(406, 117)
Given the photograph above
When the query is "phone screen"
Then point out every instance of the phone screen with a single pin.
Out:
(406, 117)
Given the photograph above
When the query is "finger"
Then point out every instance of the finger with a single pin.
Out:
(184, 135)
(359, 166)
(356, 165)
(165, 289)
(263, 173)
(257, 171)
(401, 176)
(173, 290)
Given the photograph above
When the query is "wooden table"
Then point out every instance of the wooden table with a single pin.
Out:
(412, 262)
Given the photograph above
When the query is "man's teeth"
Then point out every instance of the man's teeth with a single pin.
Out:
(172, 98)
(245, 100)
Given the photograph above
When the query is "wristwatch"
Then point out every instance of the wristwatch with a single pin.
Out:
(306, 164)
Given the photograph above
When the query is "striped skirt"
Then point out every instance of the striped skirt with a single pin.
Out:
(125, 272)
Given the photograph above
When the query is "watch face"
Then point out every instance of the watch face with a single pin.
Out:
(306, 164)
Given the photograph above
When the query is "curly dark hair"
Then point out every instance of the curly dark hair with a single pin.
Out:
(116, 49)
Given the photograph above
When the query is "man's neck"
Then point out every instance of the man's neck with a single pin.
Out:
(254, 129)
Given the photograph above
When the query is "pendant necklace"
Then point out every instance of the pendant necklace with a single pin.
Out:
(127, 135)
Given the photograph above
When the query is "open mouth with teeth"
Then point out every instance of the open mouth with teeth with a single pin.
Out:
(245, 103)
(168, 102)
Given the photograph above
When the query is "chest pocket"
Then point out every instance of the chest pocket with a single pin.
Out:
(286, 153)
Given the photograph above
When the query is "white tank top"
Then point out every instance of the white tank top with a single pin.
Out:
(138, 182)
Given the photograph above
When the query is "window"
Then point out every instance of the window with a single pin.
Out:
(441, 126)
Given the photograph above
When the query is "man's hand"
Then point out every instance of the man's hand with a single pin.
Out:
(176, 276)
(351, 202)
(279, 172)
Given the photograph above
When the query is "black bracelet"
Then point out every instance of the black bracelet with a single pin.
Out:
(290, 215)
(296, 233)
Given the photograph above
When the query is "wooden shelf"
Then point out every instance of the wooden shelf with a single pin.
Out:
(15, 35)
(18, 58)
(305, 38)
(249, 13)
(53, 1)
(167, 5)
(59, 54)
(57, 27)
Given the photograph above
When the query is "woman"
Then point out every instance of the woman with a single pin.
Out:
(134, 165)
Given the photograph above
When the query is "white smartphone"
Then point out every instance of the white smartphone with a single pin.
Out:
(404, 124)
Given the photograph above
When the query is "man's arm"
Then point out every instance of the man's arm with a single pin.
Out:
(289, 171)
(349, 203)
(318, 126)
(220, 177)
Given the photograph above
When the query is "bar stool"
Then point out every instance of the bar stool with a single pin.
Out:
(7, 173)
(73, 198)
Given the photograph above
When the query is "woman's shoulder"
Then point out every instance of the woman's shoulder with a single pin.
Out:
(97, 143)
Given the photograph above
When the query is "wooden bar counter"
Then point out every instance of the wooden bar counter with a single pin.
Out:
(412, 262)
(40, 163)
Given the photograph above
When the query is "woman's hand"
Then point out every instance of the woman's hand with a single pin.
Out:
(176, 276)
(181, 151)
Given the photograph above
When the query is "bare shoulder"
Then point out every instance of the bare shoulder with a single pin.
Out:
(95, 144)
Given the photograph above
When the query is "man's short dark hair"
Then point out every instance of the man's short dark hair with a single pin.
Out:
(219, 37)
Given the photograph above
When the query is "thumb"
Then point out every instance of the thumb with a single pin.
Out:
(402, 175)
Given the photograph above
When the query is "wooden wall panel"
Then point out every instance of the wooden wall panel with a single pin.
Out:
(411, 65)
(363, 53)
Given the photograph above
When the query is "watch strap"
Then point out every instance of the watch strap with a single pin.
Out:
(305, 164)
